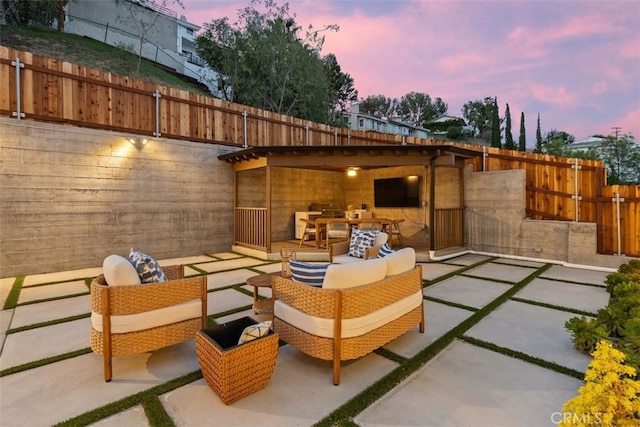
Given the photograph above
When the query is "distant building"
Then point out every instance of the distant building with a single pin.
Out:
(169, 41)
(367, 122)
(587, 143)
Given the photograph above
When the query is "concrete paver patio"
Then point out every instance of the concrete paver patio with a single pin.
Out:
(49, 376)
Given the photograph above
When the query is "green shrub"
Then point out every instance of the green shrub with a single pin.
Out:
(629, 272)
(619, 321)
(586, 333)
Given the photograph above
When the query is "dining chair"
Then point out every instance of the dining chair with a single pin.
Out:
(337, 230)
(394, 230)
(309, 230)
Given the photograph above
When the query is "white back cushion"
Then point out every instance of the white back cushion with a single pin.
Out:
(119, 271)
(400, 261)
(381, 239)
(341, 276)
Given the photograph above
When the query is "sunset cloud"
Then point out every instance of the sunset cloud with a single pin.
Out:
(575, 63)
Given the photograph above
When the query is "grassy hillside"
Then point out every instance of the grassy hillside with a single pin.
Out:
(89, 53)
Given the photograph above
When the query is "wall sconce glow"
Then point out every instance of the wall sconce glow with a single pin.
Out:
(138, 142)
(412, 178)
(351, 172)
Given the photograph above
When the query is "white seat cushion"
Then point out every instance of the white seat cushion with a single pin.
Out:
(400, 261)
(118, 270)
(341, 276)
(355, 327)
(150, 319)
(344, 258)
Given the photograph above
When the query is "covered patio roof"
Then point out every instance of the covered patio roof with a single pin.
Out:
(343, 157)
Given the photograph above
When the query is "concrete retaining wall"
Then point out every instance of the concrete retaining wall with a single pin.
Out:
(72, 196)
(495, 222)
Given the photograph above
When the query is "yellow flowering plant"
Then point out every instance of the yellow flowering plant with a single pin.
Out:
(610, 396)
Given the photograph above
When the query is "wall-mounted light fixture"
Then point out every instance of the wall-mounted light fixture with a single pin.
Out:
(138, 142)
(351, 172)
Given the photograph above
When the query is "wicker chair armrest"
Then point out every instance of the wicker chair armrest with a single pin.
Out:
(310, 300)
(338, 248)
(372, 252)
(132, 299)
(174, 272)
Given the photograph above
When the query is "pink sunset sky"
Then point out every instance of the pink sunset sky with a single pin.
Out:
(576, 63)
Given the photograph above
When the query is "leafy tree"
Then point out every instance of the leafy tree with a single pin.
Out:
(264, 61)
(622, 158)
(418, 108)
(508, 136)
(40, 12)
(496, 140)
(379, 106)
(538, 148)
(522, 140)
(478, 114)
(341, 90)
(554, 134)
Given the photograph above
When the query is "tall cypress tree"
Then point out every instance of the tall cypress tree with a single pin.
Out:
(522, 141)
(508, 136)
(495, 126)
(538, 148)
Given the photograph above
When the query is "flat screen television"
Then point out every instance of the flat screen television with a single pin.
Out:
(402, 192)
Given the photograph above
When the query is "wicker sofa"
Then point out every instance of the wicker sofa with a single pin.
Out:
(130, 319)
(359, 308)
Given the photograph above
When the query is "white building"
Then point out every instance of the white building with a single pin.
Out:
(168, 40)
(587, 143)
(367, 122)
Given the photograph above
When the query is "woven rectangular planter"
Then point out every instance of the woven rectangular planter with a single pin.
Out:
(234, 371)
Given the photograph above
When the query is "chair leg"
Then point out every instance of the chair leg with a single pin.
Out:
(107, 366)
(336, 371)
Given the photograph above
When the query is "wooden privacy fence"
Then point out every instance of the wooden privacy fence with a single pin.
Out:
(45, 89)
(559, 188)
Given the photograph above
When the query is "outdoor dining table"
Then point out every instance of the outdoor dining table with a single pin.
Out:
(321, 224)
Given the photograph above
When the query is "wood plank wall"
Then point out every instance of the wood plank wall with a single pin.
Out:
(64, 93)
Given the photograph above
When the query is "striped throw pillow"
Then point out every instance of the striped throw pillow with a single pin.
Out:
(309, 274)
(385, 250)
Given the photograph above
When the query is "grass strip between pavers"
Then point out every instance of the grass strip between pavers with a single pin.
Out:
(555, 307)
(155, 411)
(450, 303)
(38, 301)
(48, 323)
(140, 398)
(459, 271)
(14, 293)
(523, 356)
(345, 413)
(45, 361)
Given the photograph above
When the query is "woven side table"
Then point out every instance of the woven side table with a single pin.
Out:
(234, 371)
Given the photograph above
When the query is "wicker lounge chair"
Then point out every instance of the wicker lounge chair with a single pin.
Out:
(112, 301)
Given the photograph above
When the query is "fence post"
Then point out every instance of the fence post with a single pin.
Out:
(335, 137)
(617, 201)
(19, 114)
(157, 96)
(404, 142)
(245, 130)
(306, 134)
(484, 158)
(348, 136)
(575, 196)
